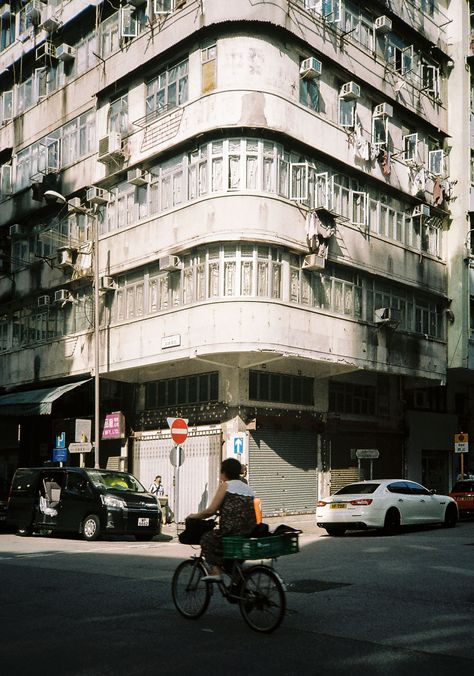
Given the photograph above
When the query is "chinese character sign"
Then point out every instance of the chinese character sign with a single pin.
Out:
(114, 426)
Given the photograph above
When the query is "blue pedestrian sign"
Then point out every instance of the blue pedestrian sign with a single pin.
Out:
(61, 440)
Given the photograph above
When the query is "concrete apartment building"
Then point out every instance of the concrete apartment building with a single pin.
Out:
(283, 197)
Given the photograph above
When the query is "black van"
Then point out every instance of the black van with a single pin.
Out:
(87, 501)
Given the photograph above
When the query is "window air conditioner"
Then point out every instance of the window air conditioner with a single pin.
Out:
(65, 256)
(65, 52)
(97, 195)
(170, 263)
(43, 301)
(421, 210)
(383, 110)
(62, 296)
(137, 177)
(383, 24)
(311, 68)
(313, 262)
(5, 11)
(387, 315)
(73, 204)
(17, 230)
(350, 91)
(50, 24)
(33, 12)
(45, 51)
(110, 147)
(107, 284)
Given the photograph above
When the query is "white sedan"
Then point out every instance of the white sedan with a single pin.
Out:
(387, 504)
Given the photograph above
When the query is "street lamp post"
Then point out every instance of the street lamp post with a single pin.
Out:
(52, 195)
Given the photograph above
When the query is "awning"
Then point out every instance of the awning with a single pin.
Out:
(34, 402)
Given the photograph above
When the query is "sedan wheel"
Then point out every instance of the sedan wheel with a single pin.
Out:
(450, 517)
(392, 522)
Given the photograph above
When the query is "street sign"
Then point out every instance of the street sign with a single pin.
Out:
(237, 444)
(59, 454)
(179, 430)
(177, 456)
(61, 440)
(461, 443)
(367, 453)
(80, 447)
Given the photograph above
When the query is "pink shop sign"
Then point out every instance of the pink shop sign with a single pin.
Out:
(114, 426)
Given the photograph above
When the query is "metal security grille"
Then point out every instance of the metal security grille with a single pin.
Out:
(282, 470)
(198, 475)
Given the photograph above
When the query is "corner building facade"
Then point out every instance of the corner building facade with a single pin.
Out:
(273, 185)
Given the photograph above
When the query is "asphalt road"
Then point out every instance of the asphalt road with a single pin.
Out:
(365, 604)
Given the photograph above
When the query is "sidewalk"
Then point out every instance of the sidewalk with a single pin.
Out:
(305, 522)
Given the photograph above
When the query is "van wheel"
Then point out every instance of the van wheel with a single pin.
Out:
(91, 527)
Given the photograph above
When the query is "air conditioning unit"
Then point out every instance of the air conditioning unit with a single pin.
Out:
(137, 177)
(65, 257)
(383, 110)
(45, 51)
(350, 91)
(62, 296)
(110, 147)
(5, 11)
(170, 263)
(43, 301)
(33, 11)
(311, 68)
(17, 230)
(107, 284)
(73, 204)
(421, 210)
(65, 52)
(387, 315)
(97, 195)
(50, 24)
(383, 24)
(313, 262)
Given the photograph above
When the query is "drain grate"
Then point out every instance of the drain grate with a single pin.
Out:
(312, 586)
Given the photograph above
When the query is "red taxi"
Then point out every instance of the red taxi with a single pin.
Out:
(463, 493)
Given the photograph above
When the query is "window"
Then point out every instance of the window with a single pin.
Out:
(352, 399)
(436, 162)
(209, 68)
(201, 388)
(109, 36)
(380, 129)
(168, 90)
(359, 207)
(410, 147)
(346, 112)
(118, 115)
(309, 93)
(399, 57)
(430, 80)
(128, 22)
(281, 388)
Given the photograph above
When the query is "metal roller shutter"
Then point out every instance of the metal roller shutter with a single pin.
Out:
(198, 475)
(282, 470)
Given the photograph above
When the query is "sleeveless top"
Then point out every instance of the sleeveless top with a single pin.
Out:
(237, 513)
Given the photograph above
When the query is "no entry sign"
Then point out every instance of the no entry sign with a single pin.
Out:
(179, 430)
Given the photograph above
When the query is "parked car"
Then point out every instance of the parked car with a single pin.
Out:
(4, 488)
(387, 504)
(86, 501)
(463, 493)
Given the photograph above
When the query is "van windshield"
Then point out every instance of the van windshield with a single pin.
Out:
(120, 481)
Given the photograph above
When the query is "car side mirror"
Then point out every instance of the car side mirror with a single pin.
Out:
(433, 491)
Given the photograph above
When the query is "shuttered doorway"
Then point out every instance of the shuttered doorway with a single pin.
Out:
(282, 470)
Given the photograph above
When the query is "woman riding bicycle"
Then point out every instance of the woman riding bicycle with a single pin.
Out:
(234, 500)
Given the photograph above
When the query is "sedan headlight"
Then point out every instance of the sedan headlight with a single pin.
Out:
(112, 502)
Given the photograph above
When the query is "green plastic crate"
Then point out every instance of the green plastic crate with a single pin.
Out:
(240, 547)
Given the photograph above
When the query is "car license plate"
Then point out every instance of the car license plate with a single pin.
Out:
(143, 522)
(338, 505)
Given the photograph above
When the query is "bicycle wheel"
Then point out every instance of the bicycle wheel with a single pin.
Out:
(263, 601)
(190, 594)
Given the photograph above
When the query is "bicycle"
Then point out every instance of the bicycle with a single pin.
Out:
(258, 589)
